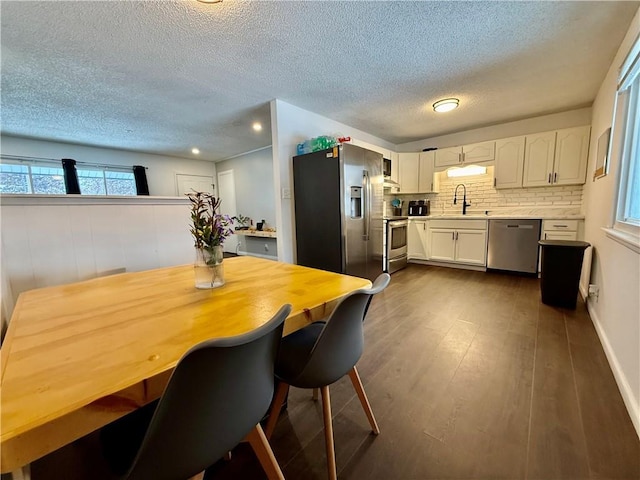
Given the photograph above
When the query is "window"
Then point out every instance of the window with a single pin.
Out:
(626, 144)
(38, 177)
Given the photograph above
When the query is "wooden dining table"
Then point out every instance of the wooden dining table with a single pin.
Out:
(79, 356)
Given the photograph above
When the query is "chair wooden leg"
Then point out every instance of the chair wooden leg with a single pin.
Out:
(328, 433)
(263, 451)
(199, 476)
(276, 406)
(357, 385)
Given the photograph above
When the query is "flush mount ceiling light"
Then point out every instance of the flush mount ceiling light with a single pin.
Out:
(466, 171)
(210, 1)
(446, 105)
(195, 151)
(257, 127)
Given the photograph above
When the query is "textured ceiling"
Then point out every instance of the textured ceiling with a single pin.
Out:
(165, 76)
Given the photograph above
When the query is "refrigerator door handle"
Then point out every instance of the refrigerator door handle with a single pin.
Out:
(367, 204)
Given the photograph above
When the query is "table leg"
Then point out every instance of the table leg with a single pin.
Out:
(23, 474)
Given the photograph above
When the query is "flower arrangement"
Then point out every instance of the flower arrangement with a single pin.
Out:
(208, 228)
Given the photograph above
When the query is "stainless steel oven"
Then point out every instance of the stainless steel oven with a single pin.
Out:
(396, 244)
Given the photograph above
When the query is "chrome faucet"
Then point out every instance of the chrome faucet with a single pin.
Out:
(464, 198)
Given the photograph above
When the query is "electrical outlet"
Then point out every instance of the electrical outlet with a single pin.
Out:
(286, 193)
(594, 291)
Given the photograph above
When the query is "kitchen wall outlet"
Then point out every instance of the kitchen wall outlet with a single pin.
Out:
(286, 193)
(594, 291)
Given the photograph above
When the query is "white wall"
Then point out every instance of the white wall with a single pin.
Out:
(543, 123)
(253, 173)
(615, 267)
(255, 198)
(291, 125)
(161, 170)
(55, 239)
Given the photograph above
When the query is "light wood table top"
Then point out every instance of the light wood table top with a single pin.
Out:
(79, 356)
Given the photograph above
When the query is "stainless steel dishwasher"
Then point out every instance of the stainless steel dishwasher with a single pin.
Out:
(513, 245)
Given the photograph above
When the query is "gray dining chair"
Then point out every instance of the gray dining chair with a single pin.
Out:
(323, 352)
(216, 397)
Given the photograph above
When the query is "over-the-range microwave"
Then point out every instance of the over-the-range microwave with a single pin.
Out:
(386, 167)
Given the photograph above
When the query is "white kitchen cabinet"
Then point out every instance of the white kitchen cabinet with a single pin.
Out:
(427, 182)
(417, 240)
(449, 157)
(556, 158)
(572, 150)
(442, 244)
(538, 159)
(408, 165)
(509, 162)
(465, 155)
(560, 230)
(416, 172)
(471, 247)
(458, 241)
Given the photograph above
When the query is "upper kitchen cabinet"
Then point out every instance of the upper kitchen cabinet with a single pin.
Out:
(416, 172)
(572, 152)
(467, 154)
(509, 162)
(556, 158)
(427, 183)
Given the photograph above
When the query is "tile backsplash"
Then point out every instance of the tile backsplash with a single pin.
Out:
(482, 195)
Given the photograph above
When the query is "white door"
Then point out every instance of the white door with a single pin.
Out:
(227, 194)
(194, 183)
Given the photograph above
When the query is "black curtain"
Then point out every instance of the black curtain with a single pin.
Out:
(70, 176)
(140, 175)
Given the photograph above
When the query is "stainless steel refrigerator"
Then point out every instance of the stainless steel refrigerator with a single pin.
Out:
(338, 196)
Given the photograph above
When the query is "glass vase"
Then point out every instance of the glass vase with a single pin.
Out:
(209, 270)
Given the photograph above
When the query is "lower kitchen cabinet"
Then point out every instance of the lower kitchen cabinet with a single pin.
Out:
(458, 241)
(559, 230)
(417, 240)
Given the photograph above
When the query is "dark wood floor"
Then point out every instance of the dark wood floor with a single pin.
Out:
(470, 377)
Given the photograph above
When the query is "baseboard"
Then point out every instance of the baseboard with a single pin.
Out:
(623, 385)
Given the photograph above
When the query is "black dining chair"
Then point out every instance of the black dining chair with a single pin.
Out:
(216, 397)
(322, 353)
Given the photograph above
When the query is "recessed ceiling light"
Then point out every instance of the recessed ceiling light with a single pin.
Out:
(446, 105)
(195, 151)
(257, 127)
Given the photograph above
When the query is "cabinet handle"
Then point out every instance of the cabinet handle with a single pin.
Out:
(545, 236)
(456, 235)
(494, 182)
(453, 235)
(561, 226)
(549, 181)
(424, 225)
(555, 177)
(432, 186)
(463, 157)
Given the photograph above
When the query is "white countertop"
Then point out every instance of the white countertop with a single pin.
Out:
(515, 214)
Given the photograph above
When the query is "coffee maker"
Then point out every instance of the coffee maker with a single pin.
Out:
(419, 208)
